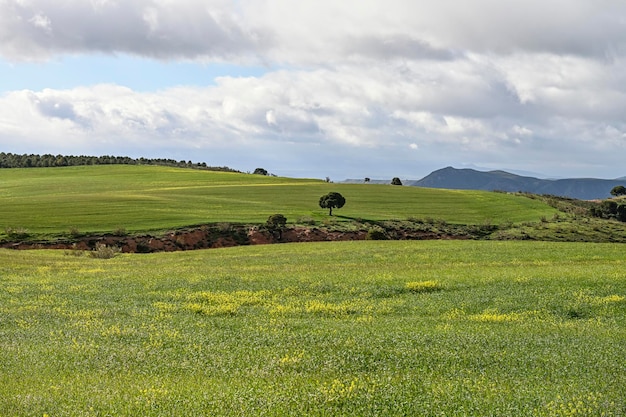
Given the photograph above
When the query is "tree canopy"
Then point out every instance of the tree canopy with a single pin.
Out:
(618, 190)
(396, 181)
(275, 224)
(10, 160)
(332, 200)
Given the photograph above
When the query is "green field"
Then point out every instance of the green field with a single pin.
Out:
(404, 328)
(438, 328)
(151, 198)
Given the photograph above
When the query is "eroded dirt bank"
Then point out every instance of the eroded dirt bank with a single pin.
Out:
(214, 237)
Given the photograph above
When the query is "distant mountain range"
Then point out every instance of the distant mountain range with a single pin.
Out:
(470, 179)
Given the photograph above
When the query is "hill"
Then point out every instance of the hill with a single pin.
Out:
(469, 179)
(153, 208)
(153, 198)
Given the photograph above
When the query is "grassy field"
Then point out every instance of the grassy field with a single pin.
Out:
(438, 328)
(150, 198)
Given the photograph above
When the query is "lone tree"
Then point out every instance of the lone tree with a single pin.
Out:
(261, 171)
(275, 224)
(618, 190)
(332, 200)
(396, 181)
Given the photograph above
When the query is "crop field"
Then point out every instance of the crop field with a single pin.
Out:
(91, 199)
(437, 328)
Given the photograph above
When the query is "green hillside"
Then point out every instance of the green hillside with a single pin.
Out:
(149, 198)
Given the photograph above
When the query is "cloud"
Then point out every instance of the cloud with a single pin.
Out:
(360, 108)
(41, 22)
(487, 81)
(322, 31)
(190, 29)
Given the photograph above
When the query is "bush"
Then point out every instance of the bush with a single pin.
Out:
(609, 209)
(120, 231)
(275, 224)
(276, 221)
(618, 190)
(306, 220)
(376, 233)
(17, 232)
(103, 251)
(224, 227)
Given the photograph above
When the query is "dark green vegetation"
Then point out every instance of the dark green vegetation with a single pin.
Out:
(334, 329)
(10, 160)
(332, 200)
(618, 190)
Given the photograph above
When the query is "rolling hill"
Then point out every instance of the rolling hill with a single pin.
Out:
(152, 198)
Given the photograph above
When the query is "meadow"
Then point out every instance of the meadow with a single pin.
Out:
(437, 328)
(95, 199)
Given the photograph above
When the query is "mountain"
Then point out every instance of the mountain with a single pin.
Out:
(470, 179)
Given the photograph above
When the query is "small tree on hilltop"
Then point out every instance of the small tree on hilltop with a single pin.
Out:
(396, 181)
(332, 200)
(618, 190)
(261, 171)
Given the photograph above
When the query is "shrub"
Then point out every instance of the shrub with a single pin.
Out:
(120, 231)
(224, 227)
(103, 251)
(276, 221)
(306, 220)
(507, 224)
(17, 233)
(376, 233)
(275, 224)
(74, 232)
(618, 190)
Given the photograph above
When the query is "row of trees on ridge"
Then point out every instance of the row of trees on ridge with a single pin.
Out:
(10, 160)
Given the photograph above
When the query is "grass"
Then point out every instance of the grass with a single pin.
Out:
(388, 328)
(92, 199)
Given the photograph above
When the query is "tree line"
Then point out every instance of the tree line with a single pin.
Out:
(10, 160)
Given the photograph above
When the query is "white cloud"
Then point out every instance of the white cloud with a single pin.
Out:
(270, 117)
(484, 81)
(41, 22)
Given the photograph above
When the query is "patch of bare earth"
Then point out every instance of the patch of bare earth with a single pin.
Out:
(213, 237)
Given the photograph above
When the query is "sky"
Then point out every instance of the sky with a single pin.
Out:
(324, 88)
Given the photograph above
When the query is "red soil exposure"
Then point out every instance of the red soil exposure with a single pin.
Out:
(212, 237)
